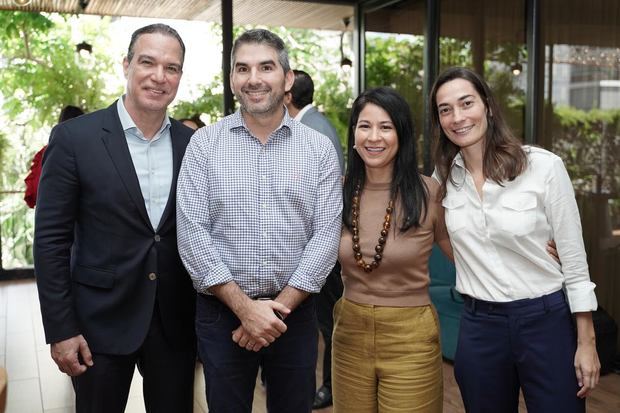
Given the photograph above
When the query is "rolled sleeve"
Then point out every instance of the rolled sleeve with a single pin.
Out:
(566, 223)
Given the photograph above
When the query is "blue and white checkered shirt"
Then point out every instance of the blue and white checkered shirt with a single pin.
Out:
(264, 216)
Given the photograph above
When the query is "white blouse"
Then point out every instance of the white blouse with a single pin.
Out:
(500, 241)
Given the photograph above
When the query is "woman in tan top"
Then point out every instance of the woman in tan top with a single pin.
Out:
(386, 354)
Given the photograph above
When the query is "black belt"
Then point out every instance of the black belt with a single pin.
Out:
(258, 297)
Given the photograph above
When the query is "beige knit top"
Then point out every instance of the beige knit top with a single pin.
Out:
(402, 278)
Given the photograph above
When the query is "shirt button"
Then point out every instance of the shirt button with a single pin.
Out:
(264, 263)
(157, 238)
(264, 205)
(152, 276)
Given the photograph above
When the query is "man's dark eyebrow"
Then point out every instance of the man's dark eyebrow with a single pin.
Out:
(149, 57)
(263, 63)
(145, 56)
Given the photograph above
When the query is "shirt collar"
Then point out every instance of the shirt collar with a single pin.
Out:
(458, 171)
(302, 112)
(130, 126)
(458, 160)
(237, 121)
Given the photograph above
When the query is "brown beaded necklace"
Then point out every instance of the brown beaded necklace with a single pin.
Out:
(355, 212)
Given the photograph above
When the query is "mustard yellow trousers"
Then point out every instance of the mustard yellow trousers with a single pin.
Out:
(386, 359)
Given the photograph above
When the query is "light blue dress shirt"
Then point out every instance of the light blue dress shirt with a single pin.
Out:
(152, 160)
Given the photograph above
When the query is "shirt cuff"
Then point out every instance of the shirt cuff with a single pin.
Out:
(581, 297)
(303, 283)
(218, 275)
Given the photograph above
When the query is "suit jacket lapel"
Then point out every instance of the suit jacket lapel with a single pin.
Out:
(114, 140)
(178, 150)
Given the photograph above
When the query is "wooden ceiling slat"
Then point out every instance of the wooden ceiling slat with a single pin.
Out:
(298, 14)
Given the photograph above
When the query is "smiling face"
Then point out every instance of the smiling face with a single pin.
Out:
(376, 140)
(153, 74)
(462, 114)
(258, 80)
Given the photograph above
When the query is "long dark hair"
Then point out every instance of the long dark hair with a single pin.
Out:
(407, 186)
(504, 158)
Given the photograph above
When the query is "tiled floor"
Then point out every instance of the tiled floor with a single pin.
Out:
(35, 383)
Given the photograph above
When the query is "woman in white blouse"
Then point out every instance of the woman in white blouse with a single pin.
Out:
(503, 202)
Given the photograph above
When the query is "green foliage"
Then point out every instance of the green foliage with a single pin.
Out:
(589, 144)
(209, 104)
(510, 97)
(394, 61)
(16, 219)
(42, 71)
(334, 98)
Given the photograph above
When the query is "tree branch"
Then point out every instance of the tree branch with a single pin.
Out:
(28, 55)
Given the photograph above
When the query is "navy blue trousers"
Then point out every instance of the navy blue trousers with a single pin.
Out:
(528, 344)
(230, 371)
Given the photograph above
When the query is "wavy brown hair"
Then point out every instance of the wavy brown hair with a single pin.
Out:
(504, 158)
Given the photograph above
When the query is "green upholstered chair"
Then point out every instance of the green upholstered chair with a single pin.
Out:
(446, 299)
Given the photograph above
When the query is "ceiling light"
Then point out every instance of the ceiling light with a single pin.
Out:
(344, 61)
(83, 48)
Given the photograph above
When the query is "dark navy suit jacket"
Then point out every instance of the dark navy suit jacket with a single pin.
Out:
(99, 263)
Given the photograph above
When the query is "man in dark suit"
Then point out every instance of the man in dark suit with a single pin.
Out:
(298, 102)
(113, 290)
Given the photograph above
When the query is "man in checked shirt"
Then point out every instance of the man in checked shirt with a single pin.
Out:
(259, 215)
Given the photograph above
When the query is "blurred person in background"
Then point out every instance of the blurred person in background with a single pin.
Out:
(32, 179)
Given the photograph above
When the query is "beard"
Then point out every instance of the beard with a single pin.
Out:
(271, 104)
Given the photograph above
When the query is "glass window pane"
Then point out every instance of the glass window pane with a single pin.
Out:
(581, 123)
(489, 37)
(394, 50)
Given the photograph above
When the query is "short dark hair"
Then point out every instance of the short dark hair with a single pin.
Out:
(155, 28)
(504, 158)
(407, 186)
(196, 119)
(302, 91)
(69, 112)
(262, 36)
